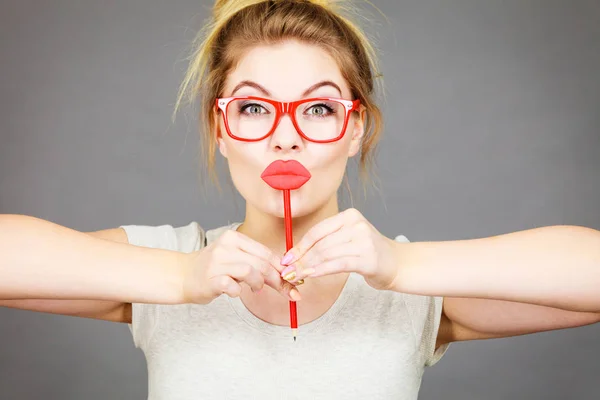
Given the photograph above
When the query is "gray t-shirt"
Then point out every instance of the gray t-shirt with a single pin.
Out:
(370, 344)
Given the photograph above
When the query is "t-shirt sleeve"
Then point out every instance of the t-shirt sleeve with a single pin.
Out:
(189, 238)
(426, 314)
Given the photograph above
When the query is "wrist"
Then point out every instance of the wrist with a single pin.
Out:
(183, 272)
(405, 274)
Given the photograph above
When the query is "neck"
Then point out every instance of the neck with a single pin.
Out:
(269, 229)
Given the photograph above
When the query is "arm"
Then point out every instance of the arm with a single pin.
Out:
(474, 319)
(487, 283)
(556, 266)
(43, 260)
(114, 311)
(514, 284)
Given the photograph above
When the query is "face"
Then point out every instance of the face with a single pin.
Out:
(284, 72)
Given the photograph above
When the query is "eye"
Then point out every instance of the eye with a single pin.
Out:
(319, 110)
(253, 109)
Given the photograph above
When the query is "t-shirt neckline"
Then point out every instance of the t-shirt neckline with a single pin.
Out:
(252, 320)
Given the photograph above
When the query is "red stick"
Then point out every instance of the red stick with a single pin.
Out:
(287, 212)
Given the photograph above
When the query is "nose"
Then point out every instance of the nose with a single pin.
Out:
(286, 138)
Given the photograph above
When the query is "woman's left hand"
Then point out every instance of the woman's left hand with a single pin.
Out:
(346, 242)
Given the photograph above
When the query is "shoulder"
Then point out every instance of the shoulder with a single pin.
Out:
(186, 238)
(420, 306)
(427, 318)
(401, 238)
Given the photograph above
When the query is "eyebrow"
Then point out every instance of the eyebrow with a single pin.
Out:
(267, 93)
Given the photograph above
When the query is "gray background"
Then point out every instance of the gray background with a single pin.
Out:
(493, 125)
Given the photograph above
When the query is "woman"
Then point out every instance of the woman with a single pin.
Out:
(373, 312)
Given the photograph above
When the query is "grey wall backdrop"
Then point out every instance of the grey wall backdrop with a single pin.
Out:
(493, 125)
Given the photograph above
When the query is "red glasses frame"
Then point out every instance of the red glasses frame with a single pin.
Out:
(282, 108)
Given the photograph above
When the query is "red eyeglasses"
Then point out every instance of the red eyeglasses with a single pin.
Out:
(318, 119)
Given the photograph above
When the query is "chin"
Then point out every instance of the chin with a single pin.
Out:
(304, 201)
(273, 205)
(276, 209)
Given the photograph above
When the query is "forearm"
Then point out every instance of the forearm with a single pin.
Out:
(557, 266)
(40, 259)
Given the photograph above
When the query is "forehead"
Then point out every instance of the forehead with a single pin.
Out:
(286, 70)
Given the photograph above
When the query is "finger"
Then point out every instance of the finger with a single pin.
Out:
(286, 289)
(223, 284)
(256, 249)
(337, 266)
(245, 273)
(324, 249)
(343, 251)
(238, 256)
(314, 234)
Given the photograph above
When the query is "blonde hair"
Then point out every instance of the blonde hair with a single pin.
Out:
(237, 25)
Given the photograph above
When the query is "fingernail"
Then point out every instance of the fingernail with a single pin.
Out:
(287, 270)
(290, 276)
(288, 258)
(309, 271)
(295, 295)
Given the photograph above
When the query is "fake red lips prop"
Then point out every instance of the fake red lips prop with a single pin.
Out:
(282, 175)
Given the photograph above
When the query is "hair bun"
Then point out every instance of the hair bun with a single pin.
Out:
(222, 9)
(325, 3)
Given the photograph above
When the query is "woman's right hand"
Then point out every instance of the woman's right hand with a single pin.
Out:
(230, 260)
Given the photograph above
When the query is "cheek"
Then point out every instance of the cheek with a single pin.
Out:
(335, 155)
(245, 163)
(331, 167)
(241, 159)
